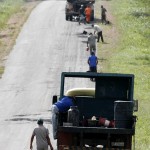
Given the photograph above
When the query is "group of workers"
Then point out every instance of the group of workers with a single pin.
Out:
(86, 14)
(41, 132)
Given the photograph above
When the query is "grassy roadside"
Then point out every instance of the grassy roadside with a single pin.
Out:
(13, 14)
(132, 55)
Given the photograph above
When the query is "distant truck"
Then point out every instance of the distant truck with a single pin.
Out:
(106, 108)
(72, 8)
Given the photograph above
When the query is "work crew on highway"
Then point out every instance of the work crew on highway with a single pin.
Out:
(63, 105)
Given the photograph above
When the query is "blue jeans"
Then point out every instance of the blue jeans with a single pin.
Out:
(55, 112)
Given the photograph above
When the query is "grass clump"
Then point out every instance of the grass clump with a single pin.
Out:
(7, 8)
(132, 55)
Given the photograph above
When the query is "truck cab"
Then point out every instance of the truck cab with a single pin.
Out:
(106, 111)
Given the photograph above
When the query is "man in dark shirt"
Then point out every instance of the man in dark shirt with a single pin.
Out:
(103, 14)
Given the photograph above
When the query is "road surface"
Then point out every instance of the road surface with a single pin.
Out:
(46, 46)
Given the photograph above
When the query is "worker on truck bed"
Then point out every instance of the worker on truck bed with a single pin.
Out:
(61, 106)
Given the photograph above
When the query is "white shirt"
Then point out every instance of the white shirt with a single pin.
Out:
(97, 28)
(41, 132)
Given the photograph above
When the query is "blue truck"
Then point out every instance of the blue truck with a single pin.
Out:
(106, 111)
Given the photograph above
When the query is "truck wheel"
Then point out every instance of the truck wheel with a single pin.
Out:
(70, 18)
(67, 17)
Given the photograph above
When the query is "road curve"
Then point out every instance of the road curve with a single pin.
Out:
(46, 46)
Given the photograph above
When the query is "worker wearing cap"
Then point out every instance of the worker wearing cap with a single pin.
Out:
(42, 137)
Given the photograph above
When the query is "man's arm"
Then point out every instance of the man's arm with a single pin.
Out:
(96, 60)
(88, 61)
(49, 142)
(31, 141)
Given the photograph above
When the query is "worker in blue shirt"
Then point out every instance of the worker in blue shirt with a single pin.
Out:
(62, 106)
(92, 61)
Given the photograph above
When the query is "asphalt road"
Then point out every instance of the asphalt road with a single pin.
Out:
(46, 46)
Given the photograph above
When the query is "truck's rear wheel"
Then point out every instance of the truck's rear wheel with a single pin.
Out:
(67, 17)
(71, 18)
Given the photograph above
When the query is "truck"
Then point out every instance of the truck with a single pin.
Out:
(106, 111)
(72, 8)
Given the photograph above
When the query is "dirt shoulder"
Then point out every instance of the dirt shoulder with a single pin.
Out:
(10, 33)
(110, 34)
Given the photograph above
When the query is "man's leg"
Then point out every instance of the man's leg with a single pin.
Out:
(55, 112)
(98, 36)
(101, 35)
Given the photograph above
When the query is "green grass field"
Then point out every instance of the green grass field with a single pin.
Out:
(7, 8)
(132, 55)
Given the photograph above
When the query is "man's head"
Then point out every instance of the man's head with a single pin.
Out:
(40, 121)
(92, 53)
(101, 6)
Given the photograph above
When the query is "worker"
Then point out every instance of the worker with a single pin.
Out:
(88, 12)
(92, 12)
(42, 137)
(92, 61)
(61, 106)
(98, 31)
(81, 14)
(91, 42)
(103, 14)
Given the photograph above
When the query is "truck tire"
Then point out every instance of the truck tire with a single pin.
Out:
(71, 18)
(67, 17)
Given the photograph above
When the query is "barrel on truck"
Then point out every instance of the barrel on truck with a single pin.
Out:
(110, 97)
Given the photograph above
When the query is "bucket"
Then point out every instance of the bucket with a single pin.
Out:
(123, 111)
(73, 116)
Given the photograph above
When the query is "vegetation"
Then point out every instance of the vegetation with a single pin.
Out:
(132, 55)
(7, 8)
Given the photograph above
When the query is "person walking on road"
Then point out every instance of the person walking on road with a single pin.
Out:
(91, 42)
(88, 12)
(98, 31)
(81, 15)
(92, 61)
(103, 14)
(42, 137)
